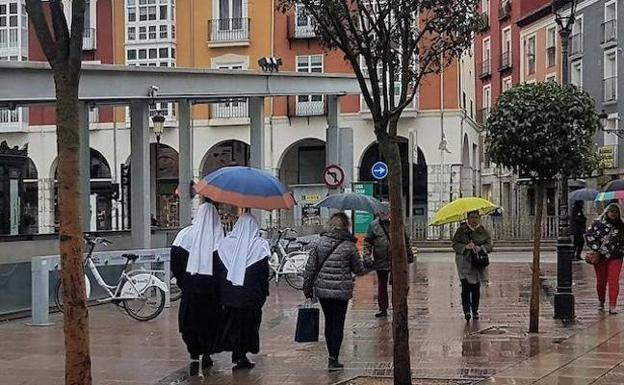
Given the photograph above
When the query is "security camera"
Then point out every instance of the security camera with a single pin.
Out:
(153, 91)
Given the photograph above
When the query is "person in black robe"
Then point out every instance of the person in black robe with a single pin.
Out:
(243, 275)
(192, 259)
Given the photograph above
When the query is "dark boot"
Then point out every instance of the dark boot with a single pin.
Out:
(333, 364)
(206, 361)
(381, 314)
(243, 363)
(194, 368)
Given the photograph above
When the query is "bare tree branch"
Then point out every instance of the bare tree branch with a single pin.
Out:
(42, 29)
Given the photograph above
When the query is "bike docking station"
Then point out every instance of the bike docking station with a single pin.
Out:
(42, 266)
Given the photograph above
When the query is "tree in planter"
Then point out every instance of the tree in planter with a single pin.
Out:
(62, 47)
(543, 130)
(395, 44)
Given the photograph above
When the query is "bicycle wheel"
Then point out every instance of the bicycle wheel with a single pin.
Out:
(58, 295)
(175, 293)
(147, 306)
(294, 266)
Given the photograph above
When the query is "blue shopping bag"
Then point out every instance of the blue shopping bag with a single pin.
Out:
(307, 323)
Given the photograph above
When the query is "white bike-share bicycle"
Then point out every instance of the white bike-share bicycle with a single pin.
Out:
(139, 292)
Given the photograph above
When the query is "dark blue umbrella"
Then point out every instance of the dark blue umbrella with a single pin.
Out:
(352, 201)
(245, 187)
(584, 194)
(614, 185)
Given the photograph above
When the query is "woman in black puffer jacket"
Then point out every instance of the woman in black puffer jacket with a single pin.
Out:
(329, 275)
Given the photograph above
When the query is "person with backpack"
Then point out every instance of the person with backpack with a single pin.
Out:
(328, 276)
(471, 241)
(377, 254)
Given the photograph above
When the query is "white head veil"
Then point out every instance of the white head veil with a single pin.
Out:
(208, 234)
(242, 248)
(185, 237)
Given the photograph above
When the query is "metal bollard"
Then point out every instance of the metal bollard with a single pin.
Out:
(40, 294)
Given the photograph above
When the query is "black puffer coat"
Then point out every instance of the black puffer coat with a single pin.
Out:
(336, 275)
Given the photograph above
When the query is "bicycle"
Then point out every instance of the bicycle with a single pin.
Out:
(136, 290)
(289, 264)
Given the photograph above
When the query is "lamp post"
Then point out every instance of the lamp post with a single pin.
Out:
(564, 299)
(159, 128)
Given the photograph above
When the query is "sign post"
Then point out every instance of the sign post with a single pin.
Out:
(333, 176)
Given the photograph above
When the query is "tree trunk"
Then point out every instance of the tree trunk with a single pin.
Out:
(77, 358)
(400, 287)
(535, 278)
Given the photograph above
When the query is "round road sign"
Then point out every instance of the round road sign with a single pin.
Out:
(379, 170)
(333, 176)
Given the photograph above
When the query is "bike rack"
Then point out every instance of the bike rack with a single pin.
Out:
(40, 268)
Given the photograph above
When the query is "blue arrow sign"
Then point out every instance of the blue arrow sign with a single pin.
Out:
(379, 170)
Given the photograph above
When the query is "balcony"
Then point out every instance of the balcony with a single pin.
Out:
(304, 105)
(609, 32)
(14, 120)
(505, 61)
(504, 10)
(295, 31)
(576, 44)
(89, 39)
(551, 56)
(485, 68)
(482, 115)
(227, 32)
(230, 110)
(485, 21)
(609, 88)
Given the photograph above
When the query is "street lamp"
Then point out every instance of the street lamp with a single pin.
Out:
(564, 299)
(159, 128)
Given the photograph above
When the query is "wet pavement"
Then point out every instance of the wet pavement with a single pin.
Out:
(443, 345)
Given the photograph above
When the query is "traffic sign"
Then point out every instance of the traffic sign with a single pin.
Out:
(333, 176)
(379, 170)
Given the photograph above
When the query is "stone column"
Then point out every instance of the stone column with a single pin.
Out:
(184, 163)
(257, 140)
(140, 175)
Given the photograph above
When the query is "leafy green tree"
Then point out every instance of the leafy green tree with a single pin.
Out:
(392, 45)
(543, 131)
(62, 46)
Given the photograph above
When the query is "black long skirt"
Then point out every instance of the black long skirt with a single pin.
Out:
(241, 331)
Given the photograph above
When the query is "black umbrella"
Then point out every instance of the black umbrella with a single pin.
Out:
(584, 194)
(352, 201)
(614, 185)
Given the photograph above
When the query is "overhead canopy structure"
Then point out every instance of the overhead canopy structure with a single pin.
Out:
(33, 83)
(24, 83)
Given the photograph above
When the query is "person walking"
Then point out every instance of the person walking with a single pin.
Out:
(192, 255)
(577, 229)
(377, 254)
(328, 276)
(471, 237)
(605, 238)
(244, 286)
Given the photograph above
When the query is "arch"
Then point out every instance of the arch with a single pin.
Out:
(225, 153)
(19, 192)
(372, 154)
(98, 166)
(303, 162)
(30, 170)
(466, 152)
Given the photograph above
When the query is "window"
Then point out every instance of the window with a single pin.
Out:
(9, 26)
(152, 32)
(483, 114)
(506, 48)
(131, 33)
(576, 39)
(142, 33)
(163, 12)
(132, 54)
(576, 74)
(551, 50)
(610, 75)
(485, 7)
(310, 104)
(609, 27)
(507, 83)
(163, 31)
(551, 202)
(231, 9)
(486, 55)
(530, 55)
(304, 26)
(153, 53)
(232, 109)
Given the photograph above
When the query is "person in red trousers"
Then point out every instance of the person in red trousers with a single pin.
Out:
(605, 238)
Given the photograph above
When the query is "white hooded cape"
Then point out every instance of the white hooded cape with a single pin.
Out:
(242, 248)
(207, 234)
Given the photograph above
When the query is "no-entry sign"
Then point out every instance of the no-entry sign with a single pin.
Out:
(333, 176)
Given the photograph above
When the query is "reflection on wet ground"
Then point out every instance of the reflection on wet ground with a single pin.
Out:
(442, 344)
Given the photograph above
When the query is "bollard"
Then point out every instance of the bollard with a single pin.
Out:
(40, 292)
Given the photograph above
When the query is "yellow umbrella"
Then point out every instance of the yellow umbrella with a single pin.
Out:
(457, 210)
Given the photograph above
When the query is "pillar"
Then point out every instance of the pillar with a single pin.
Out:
(184, 163)
(339, 141)
(85, 169)
(256, 131)
(140, 175)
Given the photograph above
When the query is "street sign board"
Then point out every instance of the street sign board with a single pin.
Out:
(333, 176)
(379, 170)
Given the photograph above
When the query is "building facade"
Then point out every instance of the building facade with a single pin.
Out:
(441, 139)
